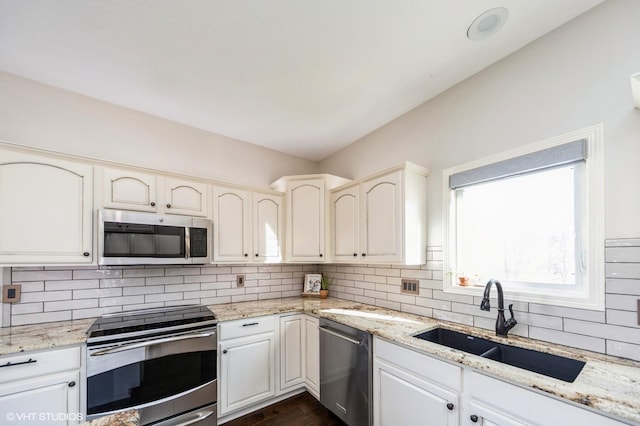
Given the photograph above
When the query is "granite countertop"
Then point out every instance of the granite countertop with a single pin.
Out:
(608, 384)
(43, 336)
(124, 418)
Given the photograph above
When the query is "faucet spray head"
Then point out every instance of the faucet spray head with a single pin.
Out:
(485, 305)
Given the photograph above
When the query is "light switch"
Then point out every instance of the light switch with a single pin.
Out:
(11, 293)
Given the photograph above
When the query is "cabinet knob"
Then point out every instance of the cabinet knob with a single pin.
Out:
(320, 254)
(168, 206)
(152, 204)
(85, 254)
(72, 384)
(355, 254)
(364, 254)
(224, 351)
(450, 406)
(474, 418)
(257, 255)
(246, 255)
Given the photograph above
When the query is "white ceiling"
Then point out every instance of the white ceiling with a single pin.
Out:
(305, 77)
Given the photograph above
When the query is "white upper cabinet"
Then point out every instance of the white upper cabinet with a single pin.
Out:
(345, 220)
(130, 190)
(381, 218)
(268, 227)
(232, 225)
(185, 197)
(45, 210)
(306, 215)
(248, 225)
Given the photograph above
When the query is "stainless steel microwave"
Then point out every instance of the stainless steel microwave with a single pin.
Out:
(130, 238)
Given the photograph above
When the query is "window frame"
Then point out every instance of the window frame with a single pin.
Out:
(591, 296)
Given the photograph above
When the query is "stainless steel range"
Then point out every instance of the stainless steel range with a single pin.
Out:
(161, 362)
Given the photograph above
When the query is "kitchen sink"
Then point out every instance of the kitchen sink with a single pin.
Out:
(555, 366)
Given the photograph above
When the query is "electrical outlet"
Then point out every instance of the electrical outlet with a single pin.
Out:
(11, 293)
(410, 286)
(240, 280)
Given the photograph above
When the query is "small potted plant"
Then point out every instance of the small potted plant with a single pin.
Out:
(324, 286)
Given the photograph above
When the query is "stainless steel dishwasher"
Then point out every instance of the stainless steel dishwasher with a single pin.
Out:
(345, 372)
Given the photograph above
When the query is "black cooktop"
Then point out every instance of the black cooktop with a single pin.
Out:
(147, 321)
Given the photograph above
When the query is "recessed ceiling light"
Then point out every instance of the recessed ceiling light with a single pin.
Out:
(487, 23)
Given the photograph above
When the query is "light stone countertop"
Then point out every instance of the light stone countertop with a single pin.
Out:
(608, 384)
(49, 335)
(124, 418)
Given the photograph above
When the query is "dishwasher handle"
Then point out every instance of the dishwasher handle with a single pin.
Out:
(341, 336)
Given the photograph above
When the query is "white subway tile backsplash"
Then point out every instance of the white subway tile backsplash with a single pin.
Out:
(85, 274)
(623, 286)
(568, 339)
(622, 270)
(71, 285)
(39, 275)
(625, 350)
(61, 293)
(40, 317)
(95, 293)
(625, 318)
(46, 296)
(621, 302)
(65, 305)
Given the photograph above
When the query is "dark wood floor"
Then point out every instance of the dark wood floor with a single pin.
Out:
(301, 409)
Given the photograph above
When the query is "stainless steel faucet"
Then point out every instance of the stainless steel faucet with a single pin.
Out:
(502, 325)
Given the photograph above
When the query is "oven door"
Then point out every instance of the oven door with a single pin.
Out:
(161, 377)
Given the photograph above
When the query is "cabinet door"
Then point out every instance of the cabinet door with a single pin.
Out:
(268, 227)
(500, 403)
(382, 222)
(46, 400)
(45, 210)
(291, 352)
(401, 398)
(312, 355)
(345, 224)
(247, 371)
(231, 225)
(185, 197)
(127, 190)
(305, 239)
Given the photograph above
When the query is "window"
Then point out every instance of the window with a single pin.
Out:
(531, 218)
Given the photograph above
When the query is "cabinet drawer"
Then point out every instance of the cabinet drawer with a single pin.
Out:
(427, 367)
(32, 364)
(247, 327)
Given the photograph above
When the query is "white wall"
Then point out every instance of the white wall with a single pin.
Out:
(45, 117)
(574, 77)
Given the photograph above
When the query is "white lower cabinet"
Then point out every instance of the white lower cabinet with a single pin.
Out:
(291, 351)
(247, 363)
(41, 388)
(299, 353)
(494, 402)
(266, 358)
(410, 388)
(312, 355)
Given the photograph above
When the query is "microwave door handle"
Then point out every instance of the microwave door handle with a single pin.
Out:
(150, 343)
(187, 242)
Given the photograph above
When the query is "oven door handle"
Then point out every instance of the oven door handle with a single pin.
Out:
(151, 343)
(198, 419)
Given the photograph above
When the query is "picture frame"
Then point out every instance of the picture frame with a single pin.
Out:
(311, 285)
